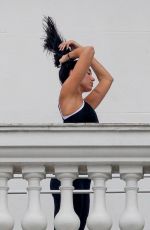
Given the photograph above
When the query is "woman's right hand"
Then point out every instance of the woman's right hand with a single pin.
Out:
(64, 58)
(70, 43)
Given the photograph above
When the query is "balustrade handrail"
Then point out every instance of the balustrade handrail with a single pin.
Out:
(108, 143)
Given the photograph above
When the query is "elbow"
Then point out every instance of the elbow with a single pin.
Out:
(110, 78)
(90, 49)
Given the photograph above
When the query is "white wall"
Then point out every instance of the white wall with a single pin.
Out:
(29, 86)
(120, 32)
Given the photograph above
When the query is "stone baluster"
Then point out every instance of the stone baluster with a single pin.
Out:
(34, 218)
(66, 218)
(98, 217)
(131, 217)
(6, 220)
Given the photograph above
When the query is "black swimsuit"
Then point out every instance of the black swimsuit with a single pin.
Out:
(81, 202)
(85, 114)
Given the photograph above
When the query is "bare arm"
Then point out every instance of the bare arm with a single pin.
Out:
(105, 80)
(100, 71)
(104, 77)
(85, 55)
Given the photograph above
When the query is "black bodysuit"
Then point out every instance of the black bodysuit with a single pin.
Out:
(85, 114)
(81, 202)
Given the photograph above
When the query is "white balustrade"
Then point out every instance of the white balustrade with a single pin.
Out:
(66, 218)
(6, 220)
(131, 217)
(98, 217)
(36, 149)
(34, 218)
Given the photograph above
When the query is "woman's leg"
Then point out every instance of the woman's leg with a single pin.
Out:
(54, 185)
(80, 201)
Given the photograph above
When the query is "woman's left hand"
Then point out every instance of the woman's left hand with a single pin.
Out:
(70, 43)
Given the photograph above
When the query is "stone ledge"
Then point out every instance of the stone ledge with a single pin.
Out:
(81, 144)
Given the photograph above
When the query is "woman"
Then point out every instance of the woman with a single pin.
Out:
(75, 62)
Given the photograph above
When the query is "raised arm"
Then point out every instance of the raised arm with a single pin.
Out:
(85, 56)
(105, 80)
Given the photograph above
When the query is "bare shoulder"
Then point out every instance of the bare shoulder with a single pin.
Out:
(69, 105)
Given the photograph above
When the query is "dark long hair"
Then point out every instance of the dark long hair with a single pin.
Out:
(52, 40)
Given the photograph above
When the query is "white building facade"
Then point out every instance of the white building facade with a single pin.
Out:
(31, 128)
